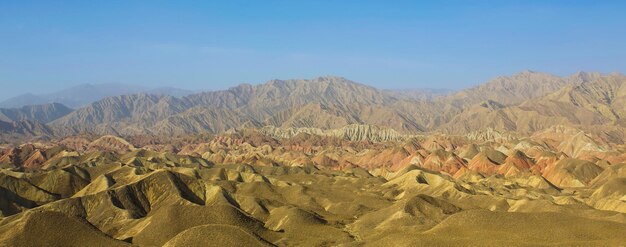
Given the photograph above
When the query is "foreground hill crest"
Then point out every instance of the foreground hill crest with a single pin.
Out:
(267, 187)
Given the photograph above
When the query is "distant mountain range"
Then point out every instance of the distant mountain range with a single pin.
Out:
(85, 94)
(526, 103)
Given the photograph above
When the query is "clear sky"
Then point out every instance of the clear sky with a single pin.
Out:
(47, 45)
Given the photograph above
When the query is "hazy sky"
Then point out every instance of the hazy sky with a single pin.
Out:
(47, 45)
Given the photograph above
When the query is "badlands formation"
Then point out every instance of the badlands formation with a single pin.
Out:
(525, 160)
(310, 187)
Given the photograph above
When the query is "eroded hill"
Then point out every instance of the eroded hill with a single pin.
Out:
(360, 185)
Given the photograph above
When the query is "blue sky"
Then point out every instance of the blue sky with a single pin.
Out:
(47, 45)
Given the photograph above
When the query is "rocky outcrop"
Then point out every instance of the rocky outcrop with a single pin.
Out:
(354, 132)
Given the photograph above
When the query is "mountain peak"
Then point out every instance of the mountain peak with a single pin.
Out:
(583, 76)
(326, 78)
(531, 73)
(330, 78)
(527, 71)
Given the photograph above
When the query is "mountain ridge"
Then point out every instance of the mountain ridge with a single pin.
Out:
(84, 94)
(525, 102)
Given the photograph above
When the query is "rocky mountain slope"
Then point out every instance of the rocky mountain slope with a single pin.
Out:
(18, 130)
(29, 122)
(592, 102)
(525, 103)
(325, 102)
(509, 90)
(41, 113)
